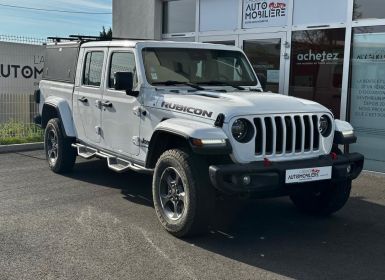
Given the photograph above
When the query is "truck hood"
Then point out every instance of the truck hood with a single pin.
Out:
(209, 104)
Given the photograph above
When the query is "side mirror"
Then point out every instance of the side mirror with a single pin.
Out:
(125, 81)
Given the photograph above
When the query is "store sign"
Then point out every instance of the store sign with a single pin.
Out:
(21, 67)
(317, 57)
(264, 13)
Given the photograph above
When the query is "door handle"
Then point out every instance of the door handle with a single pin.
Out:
(107, 104)
(83, 99)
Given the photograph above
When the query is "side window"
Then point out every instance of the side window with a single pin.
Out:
(93, 66)
(122, 62)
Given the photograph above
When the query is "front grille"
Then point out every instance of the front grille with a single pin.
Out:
(282, 135)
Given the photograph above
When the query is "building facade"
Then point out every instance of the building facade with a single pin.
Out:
(330, 51)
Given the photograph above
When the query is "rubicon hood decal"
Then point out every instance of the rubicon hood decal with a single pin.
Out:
(187, 109)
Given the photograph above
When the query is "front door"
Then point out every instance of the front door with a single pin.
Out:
(121, 112)
(267, 54)
(88, 95)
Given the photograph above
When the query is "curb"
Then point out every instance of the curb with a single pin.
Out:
(21, 147)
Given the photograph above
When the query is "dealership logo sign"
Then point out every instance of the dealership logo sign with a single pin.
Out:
(264, 13)
(20, 71)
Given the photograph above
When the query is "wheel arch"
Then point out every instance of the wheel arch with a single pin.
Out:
(58, 108)
(161, 141)
(179, 133)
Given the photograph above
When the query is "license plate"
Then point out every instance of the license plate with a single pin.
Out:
(308, 174)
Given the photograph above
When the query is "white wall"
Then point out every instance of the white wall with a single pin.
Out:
(319, 12)
(137, 19)
(218, 15)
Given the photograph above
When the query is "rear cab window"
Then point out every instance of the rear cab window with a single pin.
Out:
(93, 68)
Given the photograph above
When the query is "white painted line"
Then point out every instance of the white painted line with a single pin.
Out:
(225, 234)
(145, 198)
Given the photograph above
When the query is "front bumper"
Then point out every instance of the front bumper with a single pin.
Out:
(268, 178)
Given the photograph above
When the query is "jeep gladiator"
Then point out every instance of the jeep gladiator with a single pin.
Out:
(194, 116)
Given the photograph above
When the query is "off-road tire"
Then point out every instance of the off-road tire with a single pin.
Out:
(322, 202)
(199, 193)
(65, 154)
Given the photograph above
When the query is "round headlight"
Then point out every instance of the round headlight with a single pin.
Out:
(242, 130)
(325, 126)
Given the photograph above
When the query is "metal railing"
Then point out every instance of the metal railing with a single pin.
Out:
(23, 40)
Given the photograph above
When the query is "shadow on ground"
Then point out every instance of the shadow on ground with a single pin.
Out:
(273, 235)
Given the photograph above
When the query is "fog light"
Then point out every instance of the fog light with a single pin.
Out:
(246, 180)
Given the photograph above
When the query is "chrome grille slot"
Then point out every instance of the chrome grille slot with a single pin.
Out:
(289, 134)
(259, 137)
(298, 134)
(308, 132)
(269, 136)
(282, 135)
(315, 133)
(279, 147)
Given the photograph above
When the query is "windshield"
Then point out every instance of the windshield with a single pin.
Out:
(171, 66)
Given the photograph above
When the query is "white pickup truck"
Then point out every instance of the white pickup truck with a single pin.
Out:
(195, 116)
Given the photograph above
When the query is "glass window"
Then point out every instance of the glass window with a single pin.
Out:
(179, 16)
(200, 66)
(180, 39)
(60, 63)
(93, 68)
(122, 62)
(316, 66)
(227, 43)
(217, 15)
(368, 9)
(319, 12)
(367, 94)
(265, 56)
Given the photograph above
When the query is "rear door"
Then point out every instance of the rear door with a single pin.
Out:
(88, 95)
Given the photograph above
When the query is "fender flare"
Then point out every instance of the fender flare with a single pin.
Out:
(185, 130)
(344, 133)
(63, 111)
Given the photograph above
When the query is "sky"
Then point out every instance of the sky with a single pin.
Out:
(41, 24)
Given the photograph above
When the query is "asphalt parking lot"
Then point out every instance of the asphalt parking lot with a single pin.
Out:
(96, 224)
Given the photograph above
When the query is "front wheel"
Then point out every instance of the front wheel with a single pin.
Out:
(182, 193)
(322, 202)
(59, 153)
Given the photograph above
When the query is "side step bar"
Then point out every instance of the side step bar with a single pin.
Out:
(114, 163)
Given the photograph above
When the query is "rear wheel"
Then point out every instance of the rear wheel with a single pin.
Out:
(323, 201)
(182, 193)
(60, 155)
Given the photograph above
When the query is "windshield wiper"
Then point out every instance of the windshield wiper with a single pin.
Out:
(174, 83)
(221, 83)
